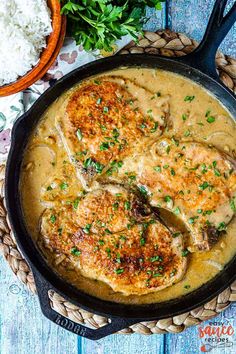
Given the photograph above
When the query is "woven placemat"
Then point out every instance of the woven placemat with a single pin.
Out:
(165, 43)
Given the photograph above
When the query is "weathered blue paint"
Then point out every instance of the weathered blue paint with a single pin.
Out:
(23, 329)
(191, 16)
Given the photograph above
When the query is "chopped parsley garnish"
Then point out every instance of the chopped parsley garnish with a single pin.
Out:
(104, 146)
(222, 226)
(177, 211)
(97, 82)
(119, 270)
(165, 166)
(123, 238)
(105, 109)
(204, 168)
(142, 241)
(189, 98)
(154, 129)
(76, 203)
(176, 234)
(107, 231)
(173, 272)
(157, 168)
(53, 219)
(208, 212)
(118, 194)
(79, 134)
(127, 205)
(211, 119)
(217, 172)
(187, 133)
(199, 211)
(208, 113)
(115, 133)
(185, 252)
(168, 149)
(175, 141)
(192, 219)
(64, 186)
(114, 167)
(232, 205)
(132, 177)
(118, 258)
(81, 153)
(87, 228)
(204, 185)
(102, 127)
(49, 188)
(101, 242)
(194, 168)
(75, 251)
(99, 100)
(187, 286)
(143, 190)
(184, 117)
(93, 164)
(157, 275)
(115, 206)
(108, 250)
(155, 258)
(172, 171)
(168, 199)
(59, 231)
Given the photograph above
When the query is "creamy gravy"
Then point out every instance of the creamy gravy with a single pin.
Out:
(45, 157)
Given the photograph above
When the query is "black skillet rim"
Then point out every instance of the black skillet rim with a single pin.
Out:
(22, 130)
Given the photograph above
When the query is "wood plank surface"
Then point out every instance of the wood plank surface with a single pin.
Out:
(24, 330)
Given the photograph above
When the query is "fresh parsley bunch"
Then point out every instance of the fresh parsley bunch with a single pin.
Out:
(97, 24)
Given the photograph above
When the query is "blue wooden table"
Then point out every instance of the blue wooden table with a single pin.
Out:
(24, 330)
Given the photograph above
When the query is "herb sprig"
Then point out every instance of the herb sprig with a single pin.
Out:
(97, 24)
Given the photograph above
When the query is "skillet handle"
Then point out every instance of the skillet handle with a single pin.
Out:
(115, 325)
(203, 57)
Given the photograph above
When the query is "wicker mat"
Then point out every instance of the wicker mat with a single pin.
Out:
(165, 43)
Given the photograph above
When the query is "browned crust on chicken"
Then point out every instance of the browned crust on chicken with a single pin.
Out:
(113, 241)
(103, 123)
(195, 181)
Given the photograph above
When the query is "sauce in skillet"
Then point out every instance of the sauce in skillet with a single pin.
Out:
(46, 157)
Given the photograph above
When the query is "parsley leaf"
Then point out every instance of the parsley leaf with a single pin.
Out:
(98, 24)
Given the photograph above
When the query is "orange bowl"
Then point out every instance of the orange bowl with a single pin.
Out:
(48, 55)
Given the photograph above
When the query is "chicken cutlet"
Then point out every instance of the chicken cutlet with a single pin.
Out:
(114, 237)
(195, 181)
(103, 121)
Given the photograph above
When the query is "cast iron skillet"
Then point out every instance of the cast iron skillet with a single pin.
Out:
(199, 67)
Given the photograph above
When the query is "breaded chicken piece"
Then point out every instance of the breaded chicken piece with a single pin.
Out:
(103, 121)
(115, 237)
(195, 181)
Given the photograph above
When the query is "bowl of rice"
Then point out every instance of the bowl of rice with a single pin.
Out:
(32, 34)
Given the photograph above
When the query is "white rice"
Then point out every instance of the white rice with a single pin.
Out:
(24, 25)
